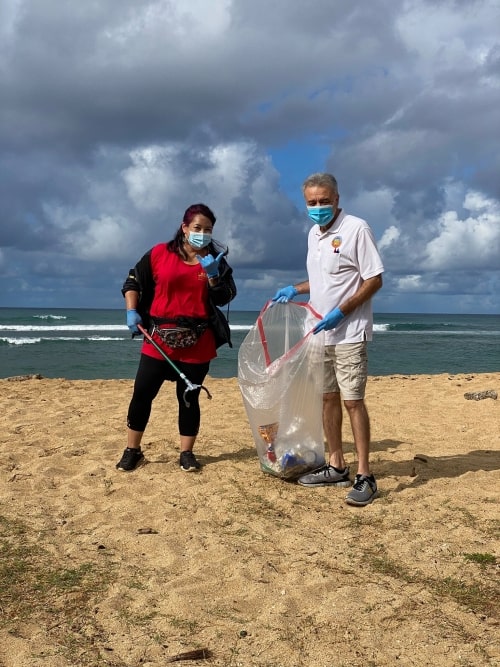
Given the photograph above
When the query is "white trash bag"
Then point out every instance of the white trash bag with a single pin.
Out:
(280, 374)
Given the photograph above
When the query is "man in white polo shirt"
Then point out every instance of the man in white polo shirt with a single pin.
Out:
(344, 272)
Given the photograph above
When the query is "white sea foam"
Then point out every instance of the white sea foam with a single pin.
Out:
(74, 339)
(99, 338)
(77, 338)
(63, 327)
(240, 327)
(20, 341)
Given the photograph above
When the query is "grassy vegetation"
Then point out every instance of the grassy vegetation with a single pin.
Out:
(478, 597)
(57, 596)
(482, 559)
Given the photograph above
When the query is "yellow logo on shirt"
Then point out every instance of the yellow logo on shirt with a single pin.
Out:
(336, 243)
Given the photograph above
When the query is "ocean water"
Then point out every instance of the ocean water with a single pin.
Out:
(82, 344)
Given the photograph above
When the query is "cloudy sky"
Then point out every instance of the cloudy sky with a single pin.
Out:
(116, 115)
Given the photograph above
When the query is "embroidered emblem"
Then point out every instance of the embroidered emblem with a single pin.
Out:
(336, 243)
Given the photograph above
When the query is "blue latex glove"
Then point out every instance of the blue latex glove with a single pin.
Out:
(133, 319)
(210, 264)
(330, 321)
(285, 294)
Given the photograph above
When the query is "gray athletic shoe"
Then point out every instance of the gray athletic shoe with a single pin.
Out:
(363, 492)
(327, 475)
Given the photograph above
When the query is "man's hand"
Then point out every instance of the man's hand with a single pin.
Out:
(285, 294)
(330, 321)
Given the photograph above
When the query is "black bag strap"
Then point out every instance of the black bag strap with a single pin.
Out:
(184, 322)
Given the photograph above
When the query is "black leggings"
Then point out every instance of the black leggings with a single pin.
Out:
(151, 374)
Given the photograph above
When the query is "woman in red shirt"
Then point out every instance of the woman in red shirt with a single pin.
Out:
(172, 291)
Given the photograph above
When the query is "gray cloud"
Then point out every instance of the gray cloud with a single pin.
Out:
(116, 116)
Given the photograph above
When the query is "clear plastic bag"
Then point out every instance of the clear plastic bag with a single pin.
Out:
(280, 375)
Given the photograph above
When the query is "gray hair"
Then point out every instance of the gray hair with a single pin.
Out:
(322, 180)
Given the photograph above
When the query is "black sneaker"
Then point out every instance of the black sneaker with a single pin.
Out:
(363, 492)
(188, 462)
(130, 460)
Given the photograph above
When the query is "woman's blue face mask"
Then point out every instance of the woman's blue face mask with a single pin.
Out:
(199, 239)
(321, 215)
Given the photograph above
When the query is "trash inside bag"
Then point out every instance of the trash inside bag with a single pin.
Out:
(280, 374)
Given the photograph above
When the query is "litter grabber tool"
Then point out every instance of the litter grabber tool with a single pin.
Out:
(189, 385)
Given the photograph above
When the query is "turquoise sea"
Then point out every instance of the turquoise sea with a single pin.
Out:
(95, 344)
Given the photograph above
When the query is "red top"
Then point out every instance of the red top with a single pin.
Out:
(180, 290)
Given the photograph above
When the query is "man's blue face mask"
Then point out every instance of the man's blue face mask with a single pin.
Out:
(321, 215)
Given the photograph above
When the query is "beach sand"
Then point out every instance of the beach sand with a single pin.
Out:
(126, 569)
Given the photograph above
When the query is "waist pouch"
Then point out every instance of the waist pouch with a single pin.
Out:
(178, 333)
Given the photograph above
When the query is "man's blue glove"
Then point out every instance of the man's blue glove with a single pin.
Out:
(210, 264)
(330, 321)
(285, 294)
(133, 319)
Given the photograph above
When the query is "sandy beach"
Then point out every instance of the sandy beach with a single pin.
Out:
(230, 566)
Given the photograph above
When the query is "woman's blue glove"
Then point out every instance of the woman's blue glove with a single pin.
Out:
(133, 319)
(210, 264)
(285, 294)
(330, 321)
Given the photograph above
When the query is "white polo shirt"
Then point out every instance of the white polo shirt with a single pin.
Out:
(338, 261)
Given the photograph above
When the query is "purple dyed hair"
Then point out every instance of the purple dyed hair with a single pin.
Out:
(198, 209)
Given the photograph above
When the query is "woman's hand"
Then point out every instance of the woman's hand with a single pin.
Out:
(210, 264)
(133, 319)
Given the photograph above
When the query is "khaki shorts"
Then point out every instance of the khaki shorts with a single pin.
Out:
(346, 369)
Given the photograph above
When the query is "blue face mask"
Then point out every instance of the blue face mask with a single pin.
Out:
(321, 215)
(199, 239)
